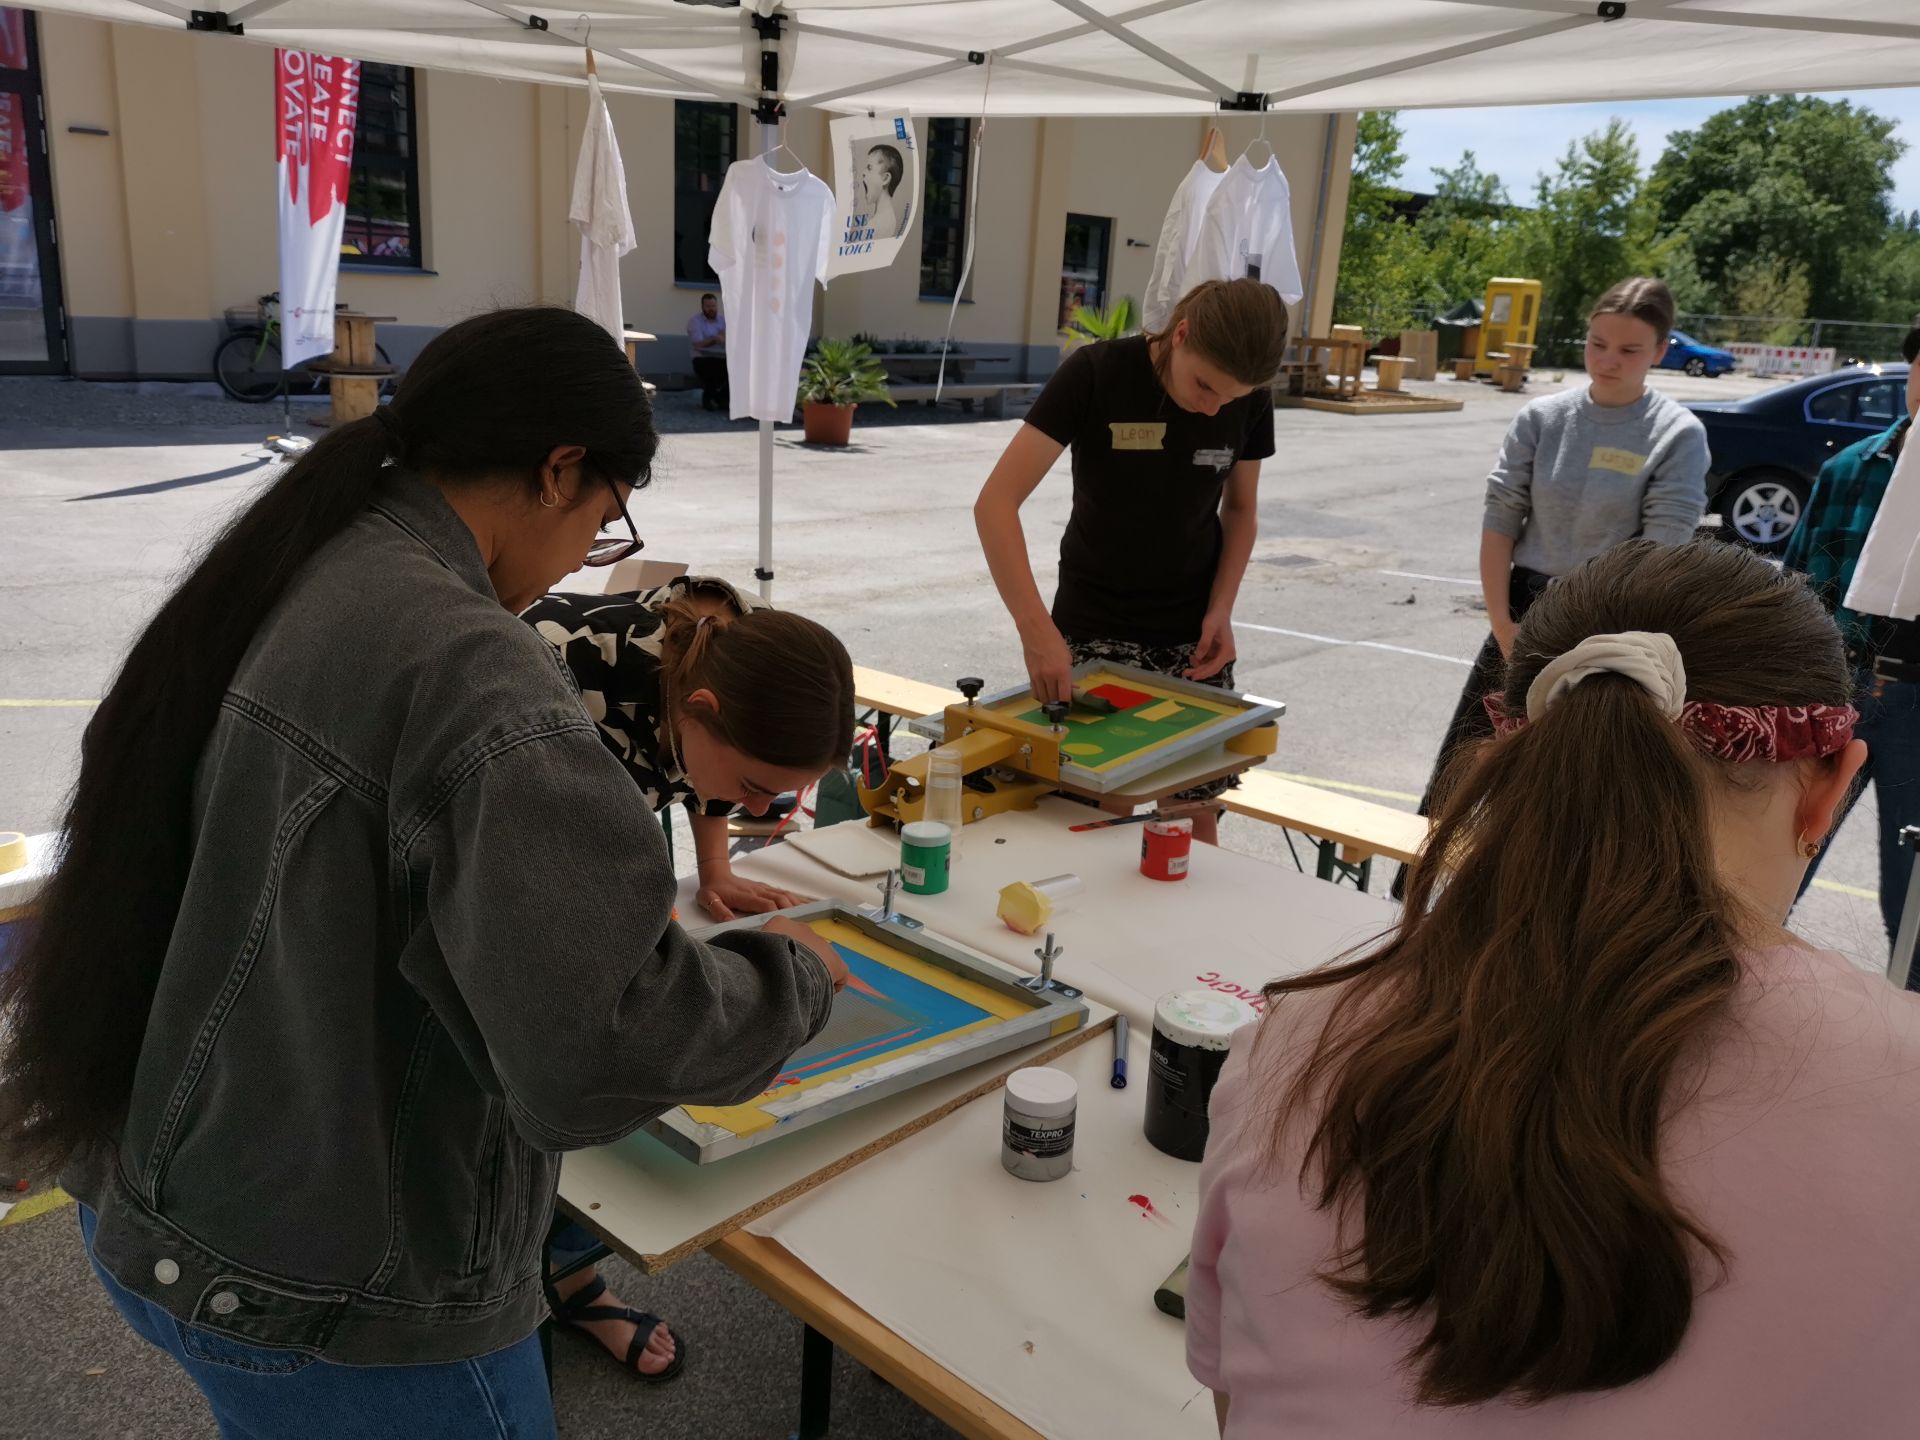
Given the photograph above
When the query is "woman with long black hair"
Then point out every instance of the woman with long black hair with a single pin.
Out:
(357, 924)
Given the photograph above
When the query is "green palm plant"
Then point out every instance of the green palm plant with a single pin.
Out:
(842, 372)
(1088, 325)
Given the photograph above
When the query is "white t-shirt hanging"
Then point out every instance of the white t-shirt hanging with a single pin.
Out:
(1179, 237)
(1886, 579)
(1248, 231)
(771, 236)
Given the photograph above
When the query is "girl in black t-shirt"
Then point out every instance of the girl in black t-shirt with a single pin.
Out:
(1167, 432)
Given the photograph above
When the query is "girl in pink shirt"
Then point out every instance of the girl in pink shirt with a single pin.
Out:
(1589, 1146)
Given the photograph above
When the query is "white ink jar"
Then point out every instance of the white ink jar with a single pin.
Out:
(1037, 1133)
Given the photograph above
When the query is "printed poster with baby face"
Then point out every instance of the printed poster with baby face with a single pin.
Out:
(876, 167)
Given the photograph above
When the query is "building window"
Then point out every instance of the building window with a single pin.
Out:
(383, 195)
(943, 225)
(705, 134)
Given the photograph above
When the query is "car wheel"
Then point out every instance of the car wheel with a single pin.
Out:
(1761, 509)
(1696, 367)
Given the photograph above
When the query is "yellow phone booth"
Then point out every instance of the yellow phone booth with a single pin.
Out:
(1512, 311)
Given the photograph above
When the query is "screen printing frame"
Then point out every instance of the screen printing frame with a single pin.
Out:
(1121, 778)
(1049, 1014)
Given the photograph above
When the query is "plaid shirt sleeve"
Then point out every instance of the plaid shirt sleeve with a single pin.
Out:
(1826, 545)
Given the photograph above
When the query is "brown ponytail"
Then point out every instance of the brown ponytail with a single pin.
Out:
(1239, 325)
(784, 683)
(1487, 1097)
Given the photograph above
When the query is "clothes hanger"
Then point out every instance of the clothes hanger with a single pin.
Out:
(1261, 141)
(1213, 150)
(799, 165)
(593, 70)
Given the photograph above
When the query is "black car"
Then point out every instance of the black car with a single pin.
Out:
(1768, 448)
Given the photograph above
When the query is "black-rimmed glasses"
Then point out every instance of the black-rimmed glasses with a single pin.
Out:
(610, 549)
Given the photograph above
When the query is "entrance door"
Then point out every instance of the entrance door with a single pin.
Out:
(1083, 265)
(32, 329)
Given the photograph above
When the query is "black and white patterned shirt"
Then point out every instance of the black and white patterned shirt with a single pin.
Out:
(611, 645)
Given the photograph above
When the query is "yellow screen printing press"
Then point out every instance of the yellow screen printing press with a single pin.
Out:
(1129, 737)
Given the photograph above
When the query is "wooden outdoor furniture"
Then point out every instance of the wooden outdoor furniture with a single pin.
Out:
(1391, 369)
(1422, 349)
(996, 394)
(1463, 367)
(1346, 355)
(354, 370)
(635, 339)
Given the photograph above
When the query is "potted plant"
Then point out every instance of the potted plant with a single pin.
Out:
(837, 377)
(1087, 325)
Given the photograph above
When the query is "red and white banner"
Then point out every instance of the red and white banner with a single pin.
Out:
(19, 250)
(317, 99)
(1784, 359)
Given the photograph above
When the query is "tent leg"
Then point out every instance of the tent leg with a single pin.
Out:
(765, 572)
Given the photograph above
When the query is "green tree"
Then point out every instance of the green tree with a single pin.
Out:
(1467, 231)
(1592, 224)
(1786, 178)
(1380, 278)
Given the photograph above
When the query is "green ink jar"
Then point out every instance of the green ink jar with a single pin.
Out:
(926, 846)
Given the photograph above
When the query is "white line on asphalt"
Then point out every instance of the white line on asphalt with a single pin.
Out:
(1367, 644)
(1442, 579)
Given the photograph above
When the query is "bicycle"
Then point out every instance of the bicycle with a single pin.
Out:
(247, 361)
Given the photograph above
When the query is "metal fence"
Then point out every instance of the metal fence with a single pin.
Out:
(1849, 339)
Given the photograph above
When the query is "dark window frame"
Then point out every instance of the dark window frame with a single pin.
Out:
(706, 141)
(943, 215)
(405, 164)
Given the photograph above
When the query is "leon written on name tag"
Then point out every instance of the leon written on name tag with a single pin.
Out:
(1139, 434)
(1621, 462)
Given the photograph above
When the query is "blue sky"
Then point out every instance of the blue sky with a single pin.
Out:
(1519, 142)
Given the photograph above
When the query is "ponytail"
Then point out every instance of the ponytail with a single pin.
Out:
(493, 395)
(1485, 1103)
(784, 685)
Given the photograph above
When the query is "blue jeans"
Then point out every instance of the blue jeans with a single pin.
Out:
(1890, 724)
(258, 1393)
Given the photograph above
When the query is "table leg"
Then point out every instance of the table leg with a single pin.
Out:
(816, 1386)
(1324, 869)
(883, 731)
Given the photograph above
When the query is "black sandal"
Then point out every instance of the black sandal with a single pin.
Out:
(578, 1309)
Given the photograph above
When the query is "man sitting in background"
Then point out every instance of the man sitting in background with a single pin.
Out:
(707, 337)
(1826, 547)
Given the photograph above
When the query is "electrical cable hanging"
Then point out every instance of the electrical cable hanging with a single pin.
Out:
(973, 207)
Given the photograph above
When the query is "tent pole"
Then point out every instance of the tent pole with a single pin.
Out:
(767, 114)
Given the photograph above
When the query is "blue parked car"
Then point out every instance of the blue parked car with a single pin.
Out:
(1688, 354)
(1767, 449)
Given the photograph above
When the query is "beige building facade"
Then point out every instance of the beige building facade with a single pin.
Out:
(160, 169)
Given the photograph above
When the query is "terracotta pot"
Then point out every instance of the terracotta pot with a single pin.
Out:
(828, 424)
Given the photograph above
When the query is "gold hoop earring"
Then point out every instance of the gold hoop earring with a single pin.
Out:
(548, 501)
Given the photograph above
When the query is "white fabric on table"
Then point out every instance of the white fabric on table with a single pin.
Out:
(1039, 1295)
(599, 212)
(770, 240)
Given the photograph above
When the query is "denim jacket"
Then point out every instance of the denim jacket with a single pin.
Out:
(425, 945)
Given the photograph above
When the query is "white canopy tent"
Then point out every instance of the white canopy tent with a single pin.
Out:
(1098, 57)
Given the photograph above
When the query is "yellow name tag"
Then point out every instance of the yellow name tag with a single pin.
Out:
(1139, 435)
(1624, 462)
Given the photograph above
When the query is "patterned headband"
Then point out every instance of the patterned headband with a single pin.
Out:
(1652, 661)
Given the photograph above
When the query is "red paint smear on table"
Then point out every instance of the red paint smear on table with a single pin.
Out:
(1121, 696)
(1147, 1212)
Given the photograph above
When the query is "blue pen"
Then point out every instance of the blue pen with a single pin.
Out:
(1119, 1052)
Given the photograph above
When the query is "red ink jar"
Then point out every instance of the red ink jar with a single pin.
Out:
(1165, 849)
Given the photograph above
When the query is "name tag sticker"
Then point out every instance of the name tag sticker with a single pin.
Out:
(1623, 462)
(1139, 434)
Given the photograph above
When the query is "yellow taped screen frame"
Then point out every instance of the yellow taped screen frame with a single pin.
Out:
(750, 1117)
